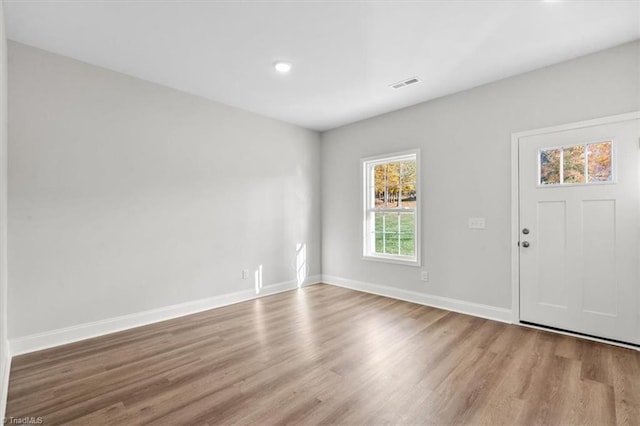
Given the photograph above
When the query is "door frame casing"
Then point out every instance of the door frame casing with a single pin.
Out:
(515, 193)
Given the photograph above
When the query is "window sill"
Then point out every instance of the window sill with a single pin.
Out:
(394, 260)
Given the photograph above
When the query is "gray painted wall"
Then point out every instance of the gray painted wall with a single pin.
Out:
(127, 196)
(4, 343)
(465, 143)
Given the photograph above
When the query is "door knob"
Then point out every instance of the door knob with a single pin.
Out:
(525, 231)
(525, 244)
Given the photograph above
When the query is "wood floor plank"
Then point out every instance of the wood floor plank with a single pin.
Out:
(328, 355)
(626, 386)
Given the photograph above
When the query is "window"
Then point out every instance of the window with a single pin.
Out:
(576, 164)
(391, 217)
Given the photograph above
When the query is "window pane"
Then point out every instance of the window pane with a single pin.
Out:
(407, 234)
(380, 178)
(408, 194)
(379, 243)
(378, 218)
(393, 174)
(378, 230)
(394, 233)
(380, 225)
(573, 159)
(391, 243)
(407, 223)
(391, 222)
(407, 185)
(394, 196)
(599, 163)
(407, 171)
(387, 185)
(395, 184)
(549, 166)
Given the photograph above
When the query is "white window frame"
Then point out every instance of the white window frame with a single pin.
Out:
(368, 201)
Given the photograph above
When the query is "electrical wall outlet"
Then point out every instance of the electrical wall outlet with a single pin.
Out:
(424, 276)
(245, 274)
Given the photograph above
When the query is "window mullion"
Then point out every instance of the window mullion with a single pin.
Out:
(399, 231)
(384, 233)
(393, 210)
(586, 163)
(561, 166)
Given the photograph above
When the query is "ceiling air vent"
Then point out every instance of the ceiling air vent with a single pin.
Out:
(403, 83)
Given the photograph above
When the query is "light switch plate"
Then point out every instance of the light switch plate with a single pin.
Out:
(476, 223)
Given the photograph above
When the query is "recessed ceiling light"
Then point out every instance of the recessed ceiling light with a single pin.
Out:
(281, 66)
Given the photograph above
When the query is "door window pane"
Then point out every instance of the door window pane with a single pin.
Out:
(573, 159)
(549, 166)
(599, 164)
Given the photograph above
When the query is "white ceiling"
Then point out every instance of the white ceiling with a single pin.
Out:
(344, 53)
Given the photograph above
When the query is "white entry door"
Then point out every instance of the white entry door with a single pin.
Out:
(579, 208)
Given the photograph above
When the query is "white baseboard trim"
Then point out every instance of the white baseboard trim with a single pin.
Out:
(461, 306)
(49, 339)
(6, 368)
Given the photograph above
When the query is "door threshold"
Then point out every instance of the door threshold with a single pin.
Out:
(613, 342)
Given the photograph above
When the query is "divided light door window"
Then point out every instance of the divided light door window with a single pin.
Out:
(391, 199)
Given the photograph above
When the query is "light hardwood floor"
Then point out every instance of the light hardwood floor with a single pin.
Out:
(329, 355)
